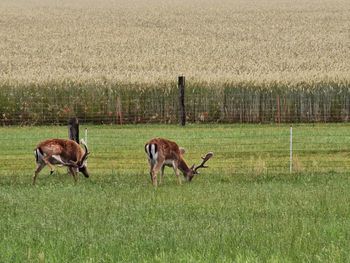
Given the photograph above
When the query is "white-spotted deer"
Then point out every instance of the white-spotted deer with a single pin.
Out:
(162, 152)
(61, 152)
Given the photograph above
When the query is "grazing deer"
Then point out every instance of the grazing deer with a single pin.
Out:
(61, 152)
(162, 152)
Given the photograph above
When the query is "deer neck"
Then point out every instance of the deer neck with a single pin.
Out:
(183, 167)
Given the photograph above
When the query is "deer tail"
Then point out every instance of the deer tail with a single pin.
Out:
(152, 151)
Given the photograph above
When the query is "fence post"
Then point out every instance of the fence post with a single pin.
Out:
(182, 112)
(73, 129)
(118, 111)
(278, 109)
(291, 150)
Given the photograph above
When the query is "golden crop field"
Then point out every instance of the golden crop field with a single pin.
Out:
(139, 41)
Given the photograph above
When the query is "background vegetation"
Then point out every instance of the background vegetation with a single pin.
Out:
(121, 104)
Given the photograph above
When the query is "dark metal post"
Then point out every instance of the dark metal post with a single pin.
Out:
(182, 112)
(73, 129)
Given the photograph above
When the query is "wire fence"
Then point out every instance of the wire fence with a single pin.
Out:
(31, 105)
(255, 150)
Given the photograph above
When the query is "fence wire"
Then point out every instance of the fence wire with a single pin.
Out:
(238, 149)
(160, 104)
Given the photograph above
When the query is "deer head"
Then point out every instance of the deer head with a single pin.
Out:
(82, 164)
(194, 169)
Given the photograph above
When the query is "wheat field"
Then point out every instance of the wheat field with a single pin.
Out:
(139, 41)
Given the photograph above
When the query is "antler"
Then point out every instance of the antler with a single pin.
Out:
(86, 150)
(72, 164)
(205, 159)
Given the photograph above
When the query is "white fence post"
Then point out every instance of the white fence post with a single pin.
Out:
(291, 150)
(86, 136)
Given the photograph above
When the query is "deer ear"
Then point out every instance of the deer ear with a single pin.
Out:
(192, 167)
(182, 150)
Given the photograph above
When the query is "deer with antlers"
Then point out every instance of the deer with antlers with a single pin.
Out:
(162, 152)
(61, 152)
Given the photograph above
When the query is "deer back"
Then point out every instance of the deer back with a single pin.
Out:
(163, 149)
(68, 150)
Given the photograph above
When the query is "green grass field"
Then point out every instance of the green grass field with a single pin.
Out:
(245, 207)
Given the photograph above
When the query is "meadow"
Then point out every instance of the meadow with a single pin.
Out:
(113, 62)
(246, 207)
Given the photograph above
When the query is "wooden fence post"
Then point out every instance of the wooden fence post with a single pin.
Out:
(118, 111)
(291, 150)
(182, 112)
(73, 129)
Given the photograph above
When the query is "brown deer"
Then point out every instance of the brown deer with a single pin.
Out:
(61, 152)
(162, 152)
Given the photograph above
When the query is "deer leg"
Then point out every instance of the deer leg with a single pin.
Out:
(46, 161)
(177, 174)
(39, 167)
(155, 171)
(151, 174)
(154, 177)
(161, 174)
(74, 173)
(151, 168)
